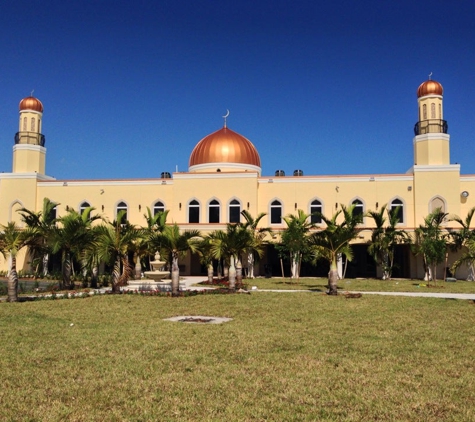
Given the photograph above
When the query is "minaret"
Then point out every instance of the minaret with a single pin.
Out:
(431, 141)
(29, 153)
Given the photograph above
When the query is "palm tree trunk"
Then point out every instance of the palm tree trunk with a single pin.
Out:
(333, 278)
(95, 272)
(250, 265)
(294, 262)
(220, 269)
(126, 271)
(471, 272)
(138, 268)
(45, 264)
(238, 273)
(66, 270)
(210, 273)
(232, 275)
(175, 276)
(116, 276)
(13, 282)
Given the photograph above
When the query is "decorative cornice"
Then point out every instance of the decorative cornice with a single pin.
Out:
(235, 166)
(437, 168)
(102, 183)
(37, 176)
(431, 96)
(29, 147)
(431, 137)
(340, 179)
(217, 175)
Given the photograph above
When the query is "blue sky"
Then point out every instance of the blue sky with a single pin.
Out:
(328, 87)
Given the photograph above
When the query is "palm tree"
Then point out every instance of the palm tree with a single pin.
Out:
(430, 242)
(230, 245)
(384, 238)
(258, 235)
(206, 256)
(175, 244)
(155, 224)
(43, 221)
(114, 243)
(334, 240)
(72, 237)
(465, 238)
(12, 240)
(295, 240)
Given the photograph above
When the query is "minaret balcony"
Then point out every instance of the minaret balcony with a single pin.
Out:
(431, 126)
(30, 138)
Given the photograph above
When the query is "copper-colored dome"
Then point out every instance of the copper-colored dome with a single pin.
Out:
(225, 146)
(31, 103)
(429, 87)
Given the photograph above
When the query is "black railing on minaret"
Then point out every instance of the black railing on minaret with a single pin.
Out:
(31, 138)
(431, 126)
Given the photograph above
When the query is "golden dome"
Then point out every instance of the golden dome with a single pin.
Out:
(225, 146)
(31, 103)
(429, 87)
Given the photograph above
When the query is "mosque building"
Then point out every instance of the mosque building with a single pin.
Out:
(224, 177)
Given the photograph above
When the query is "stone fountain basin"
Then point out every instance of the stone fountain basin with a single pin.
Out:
(148, 285)
(156, 275)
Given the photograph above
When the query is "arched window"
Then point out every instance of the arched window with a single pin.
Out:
(32, 124)
(234, 211)
(15, 215)
(53, 213)
(24, 125)
(397, 208)
(437, 202)
(213, 211)
(121, 206)
(440, 111)
(158, 207)
(424, 112)
(432, 110)
(83, 206)
(275, 212)
(194, 211)
(358, 209)
(315, 207)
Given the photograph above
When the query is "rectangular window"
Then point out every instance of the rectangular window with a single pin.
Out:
(194, 215)
(275, 215)
(234, 214)
(213, 214)
(315, 219)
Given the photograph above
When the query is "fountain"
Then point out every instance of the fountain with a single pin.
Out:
(154, 279)
(157, 273)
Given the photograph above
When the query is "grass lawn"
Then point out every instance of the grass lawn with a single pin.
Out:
(284, 357)
(377, 285)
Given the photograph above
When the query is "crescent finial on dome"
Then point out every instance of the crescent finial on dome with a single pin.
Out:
(225, 117)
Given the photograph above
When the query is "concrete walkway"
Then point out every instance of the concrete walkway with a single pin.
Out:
(190, 281)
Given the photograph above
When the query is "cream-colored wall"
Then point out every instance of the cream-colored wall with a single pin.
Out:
(14, 191)
(29, 159)
(29, 115)
(105, 195)
(205, 187)
(430, 183)
(433, 176)
(467, 183)
(432, 149)
(298, 193)
(427, 101)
